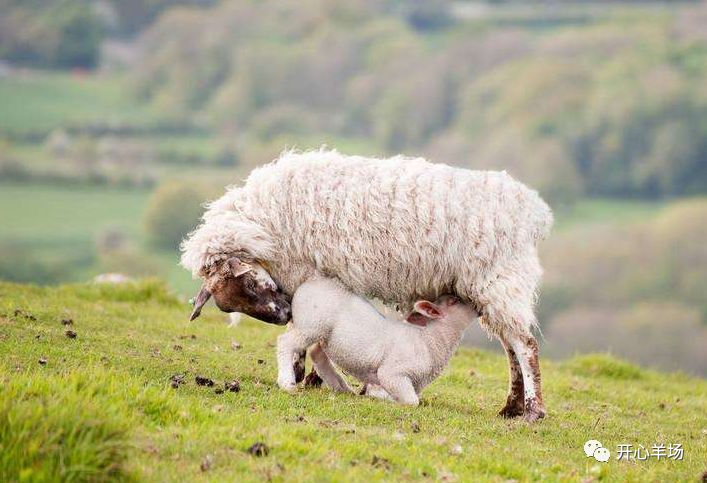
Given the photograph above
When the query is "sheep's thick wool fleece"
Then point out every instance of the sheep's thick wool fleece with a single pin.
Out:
(398, 229)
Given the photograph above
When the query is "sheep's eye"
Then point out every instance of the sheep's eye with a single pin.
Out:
(249, 284)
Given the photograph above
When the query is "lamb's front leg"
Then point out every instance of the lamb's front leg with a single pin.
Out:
(288, 348)
(326, 370)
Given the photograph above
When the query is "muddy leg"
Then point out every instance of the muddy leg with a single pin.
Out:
(526, 349)
(514, 401)
(313, 379)
(298, 365)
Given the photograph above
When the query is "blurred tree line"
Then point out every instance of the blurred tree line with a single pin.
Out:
(60, 34)
(641, 292)
(50, 33)
(613, 107)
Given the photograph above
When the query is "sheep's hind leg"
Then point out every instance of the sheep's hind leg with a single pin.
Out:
(526, 348)
(325, 368)
(515, 399)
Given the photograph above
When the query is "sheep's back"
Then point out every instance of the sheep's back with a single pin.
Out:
(398, 229)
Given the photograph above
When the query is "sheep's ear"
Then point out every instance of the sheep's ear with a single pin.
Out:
(428, 309)
(238, 267)
(202, 297)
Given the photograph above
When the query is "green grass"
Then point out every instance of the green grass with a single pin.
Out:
(40, 102)
(106, 396)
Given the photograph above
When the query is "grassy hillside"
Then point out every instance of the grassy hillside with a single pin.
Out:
(40, 103)
(99, 406)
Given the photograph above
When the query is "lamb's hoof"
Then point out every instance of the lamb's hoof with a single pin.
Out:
(511, 410)
(288, 386)
(313, 379)
(534, 410)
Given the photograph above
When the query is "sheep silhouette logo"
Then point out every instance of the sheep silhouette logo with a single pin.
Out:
(597, 450)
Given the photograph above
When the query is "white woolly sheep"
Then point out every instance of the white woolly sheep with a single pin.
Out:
(392, 358)
(396, 229)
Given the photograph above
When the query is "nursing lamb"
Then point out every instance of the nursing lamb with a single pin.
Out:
(391, 357)
(396, 229)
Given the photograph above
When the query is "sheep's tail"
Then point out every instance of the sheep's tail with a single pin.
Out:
(540, 217)
(545, 220)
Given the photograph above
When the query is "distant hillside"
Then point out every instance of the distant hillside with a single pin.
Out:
(96, 404)
(610, 103)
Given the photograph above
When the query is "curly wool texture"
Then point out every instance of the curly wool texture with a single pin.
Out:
(398, 229)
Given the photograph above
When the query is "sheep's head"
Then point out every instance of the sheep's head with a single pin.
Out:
(237, 286)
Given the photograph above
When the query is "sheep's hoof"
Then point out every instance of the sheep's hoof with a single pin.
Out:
(534, 410)
(511, 410)
(313, 379)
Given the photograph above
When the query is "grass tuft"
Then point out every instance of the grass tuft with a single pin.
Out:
(603, 365)
(50, 435)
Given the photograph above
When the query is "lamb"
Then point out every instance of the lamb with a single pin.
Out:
(394, 359)
(396, 229)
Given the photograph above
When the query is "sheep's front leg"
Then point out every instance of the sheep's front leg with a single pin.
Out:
(399, 387)
(288, 349)
(526, 349)
(328, 372)
(298, 365)
(515, 400)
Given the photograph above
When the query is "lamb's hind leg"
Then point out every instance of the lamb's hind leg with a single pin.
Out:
(326, 370)
(399, 387)
(514, 401)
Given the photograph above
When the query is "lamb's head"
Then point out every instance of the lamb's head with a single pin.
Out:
(237, 286)
(447, 308)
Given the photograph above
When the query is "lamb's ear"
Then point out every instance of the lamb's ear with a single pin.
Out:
(238, 267)
(428, 309)
(416, 319)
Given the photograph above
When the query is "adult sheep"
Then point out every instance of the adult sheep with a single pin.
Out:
(396, 229)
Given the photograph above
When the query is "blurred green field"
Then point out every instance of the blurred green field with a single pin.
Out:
(47, 214)
(39, 103)
(60, 226)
